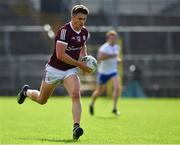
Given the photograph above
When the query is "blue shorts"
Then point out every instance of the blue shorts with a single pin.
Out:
(104, 78)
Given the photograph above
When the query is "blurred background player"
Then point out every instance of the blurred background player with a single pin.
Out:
(70, 44)
(108, 57)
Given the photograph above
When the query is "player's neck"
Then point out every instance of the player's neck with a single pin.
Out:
(74, 27)
(111, 43)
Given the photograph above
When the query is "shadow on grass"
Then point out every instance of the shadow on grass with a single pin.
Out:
(107, 117)
(50, 140)
(56, 140)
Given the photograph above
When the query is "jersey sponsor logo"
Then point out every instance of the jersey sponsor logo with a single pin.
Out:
(63, 34)
(72, 48)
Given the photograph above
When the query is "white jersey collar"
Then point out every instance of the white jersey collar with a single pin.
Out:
(111, 45)
(73, 28)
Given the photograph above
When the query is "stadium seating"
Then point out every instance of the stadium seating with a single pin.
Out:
(21, 43)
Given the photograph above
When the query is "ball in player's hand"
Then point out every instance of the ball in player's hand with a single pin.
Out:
(90, 61)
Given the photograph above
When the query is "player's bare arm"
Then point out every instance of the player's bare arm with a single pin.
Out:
(104, 56)
(83, 51)
(61, 55)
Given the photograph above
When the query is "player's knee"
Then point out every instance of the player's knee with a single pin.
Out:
(75, 95)
(98, 93)
(42, 101)
(117, 89)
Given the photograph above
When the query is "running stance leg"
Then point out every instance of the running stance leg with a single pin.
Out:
(40, 97)
(98, 91)
(72, 85)
(116, 93)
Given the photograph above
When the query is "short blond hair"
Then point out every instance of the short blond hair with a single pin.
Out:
(111, 32)
(79, 9)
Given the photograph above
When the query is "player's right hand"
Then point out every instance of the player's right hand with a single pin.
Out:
(84, 67)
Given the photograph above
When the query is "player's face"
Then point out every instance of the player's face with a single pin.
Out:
(79, 20)
(112, 39)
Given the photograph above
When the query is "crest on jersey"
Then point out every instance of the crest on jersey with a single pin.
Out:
(78, 38)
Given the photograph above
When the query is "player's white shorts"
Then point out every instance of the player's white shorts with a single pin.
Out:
(54, 76)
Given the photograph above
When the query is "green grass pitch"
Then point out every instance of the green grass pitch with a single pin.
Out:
(142, 121)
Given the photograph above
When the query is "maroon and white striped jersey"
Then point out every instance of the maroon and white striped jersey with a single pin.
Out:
(74, 41)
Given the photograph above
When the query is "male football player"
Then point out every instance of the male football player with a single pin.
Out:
(108, 57)
(70, 44)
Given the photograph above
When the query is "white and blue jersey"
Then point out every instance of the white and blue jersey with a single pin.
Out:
(108, 68)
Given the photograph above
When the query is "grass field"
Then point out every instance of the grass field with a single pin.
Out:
(142, 121)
